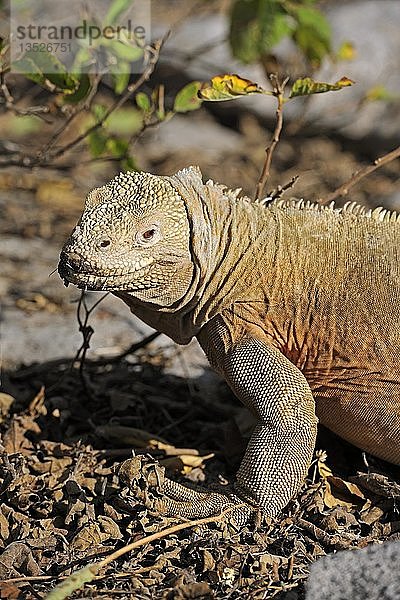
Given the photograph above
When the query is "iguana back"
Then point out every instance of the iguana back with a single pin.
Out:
(334, 310)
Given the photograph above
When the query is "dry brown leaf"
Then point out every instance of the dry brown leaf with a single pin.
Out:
(36, 406)
(88, 537)
(109, 528)
(15, 439)
(369, 514)
(208, 561)
(9, 591)
(37, 302)
(339, 492)
(378, 484)
(17, 559)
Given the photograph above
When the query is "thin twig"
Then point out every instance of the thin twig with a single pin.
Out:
(162, 534)
(87, 332)
(131, 350)
(121, 575)
(280, 190)
(343, 190)
(278, 88)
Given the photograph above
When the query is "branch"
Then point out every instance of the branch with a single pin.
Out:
(131, 350)
(278, 91)
(343, 190)
(161, 534)
(49, 153)
(87, 332)
(280, 190)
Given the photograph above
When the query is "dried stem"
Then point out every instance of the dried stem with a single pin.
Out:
(278, 91)
(87, 332)
(280, 190)
(343, 190)
(131, 350)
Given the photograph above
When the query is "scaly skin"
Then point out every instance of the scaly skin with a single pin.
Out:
(297, 306)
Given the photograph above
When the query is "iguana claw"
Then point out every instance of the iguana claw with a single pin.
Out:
(146, 479)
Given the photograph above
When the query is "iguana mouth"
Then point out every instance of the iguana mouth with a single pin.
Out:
(86, 280)
(127, 281)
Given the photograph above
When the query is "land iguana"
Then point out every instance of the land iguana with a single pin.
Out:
(296, 305)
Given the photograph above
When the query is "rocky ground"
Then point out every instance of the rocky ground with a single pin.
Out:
(67, 432)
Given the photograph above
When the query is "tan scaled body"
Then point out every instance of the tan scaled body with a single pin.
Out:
(292, 303)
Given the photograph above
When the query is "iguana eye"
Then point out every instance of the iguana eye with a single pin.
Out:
(149, 235)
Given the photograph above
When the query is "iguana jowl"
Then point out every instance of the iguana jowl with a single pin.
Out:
(296, 305)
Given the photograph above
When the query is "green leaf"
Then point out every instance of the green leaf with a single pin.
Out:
(312, 33)
(187, 98)
(308, 86)
(22, 125)
(117, 8)
(84, 87)
(97, 141)
(47, 70)
(99, 110)
(124, 50)
(117, 147)
(229, 87)
(124, 121)
(129, 164)
(143, 101)
(256, 27)
(120, 80)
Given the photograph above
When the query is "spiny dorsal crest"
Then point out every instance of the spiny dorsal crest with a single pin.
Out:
(377, 214)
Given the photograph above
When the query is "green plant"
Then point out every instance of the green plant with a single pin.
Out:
(257, 26)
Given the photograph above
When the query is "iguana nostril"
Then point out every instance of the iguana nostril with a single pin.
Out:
(104, 243)
(72, 260)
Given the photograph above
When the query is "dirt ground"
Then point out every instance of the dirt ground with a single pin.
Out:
(68, 432)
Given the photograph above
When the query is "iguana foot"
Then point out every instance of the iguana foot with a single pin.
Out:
(146, 479)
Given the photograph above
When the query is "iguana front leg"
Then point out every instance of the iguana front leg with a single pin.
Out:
(280, 449)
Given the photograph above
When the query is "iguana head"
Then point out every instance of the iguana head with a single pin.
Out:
(133, 236)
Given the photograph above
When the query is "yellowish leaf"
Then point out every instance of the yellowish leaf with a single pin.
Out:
(228, 87)
(308, 86)
(346, 51)
(379, 93)
(323, 468)
(184, 463)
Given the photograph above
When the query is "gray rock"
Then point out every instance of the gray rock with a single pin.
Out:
(369, 574)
